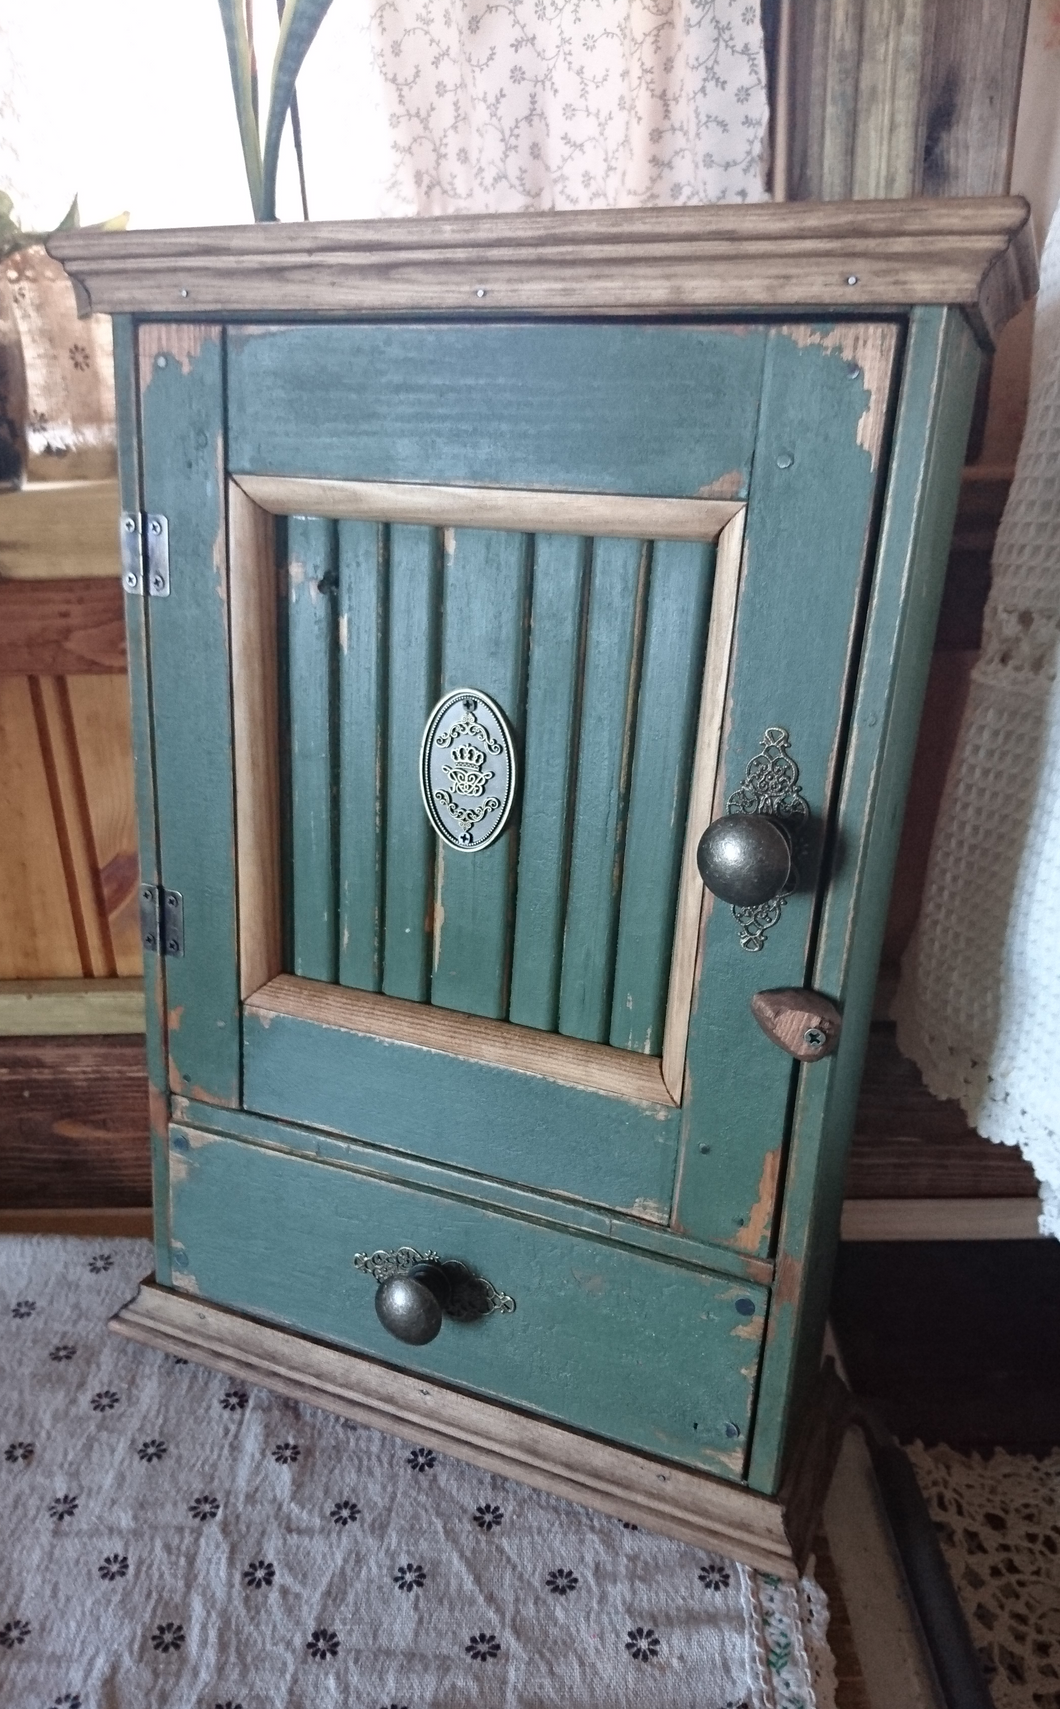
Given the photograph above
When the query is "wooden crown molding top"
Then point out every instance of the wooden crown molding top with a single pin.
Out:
(977, 253)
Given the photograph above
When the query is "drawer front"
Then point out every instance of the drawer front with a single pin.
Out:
(655, 1355)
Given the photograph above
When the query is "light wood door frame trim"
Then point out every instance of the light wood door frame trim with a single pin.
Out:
(253, 596)
(519, 509)
(655, 1494)
(503, 1044)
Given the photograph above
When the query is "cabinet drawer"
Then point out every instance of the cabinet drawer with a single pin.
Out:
(656, 1355)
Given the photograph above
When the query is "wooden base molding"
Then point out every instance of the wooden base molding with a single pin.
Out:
(940, 1219)
(773, 1534)
(105, 1222)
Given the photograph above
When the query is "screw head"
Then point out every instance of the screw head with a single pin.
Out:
(128, 581)
(480, 292)
(129, 524)
(172, 945)
(157, 583)
(814, 1038)
(853, 371)
(852, 278)
(785, 460)
(155, 526)
(184, 290)
(160, 361)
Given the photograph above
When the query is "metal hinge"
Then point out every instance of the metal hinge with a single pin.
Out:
(144, 553)
(161, 920)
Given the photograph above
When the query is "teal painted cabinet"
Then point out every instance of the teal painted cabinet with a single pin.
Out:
(474, 569)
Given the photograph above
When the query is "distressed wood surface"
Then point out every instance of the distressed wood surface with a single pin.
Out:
(693, 1507)
(553, 703)
(819, 456)
(61, 628)
(317, 1053)
(73, 1122)
(597, 262)
(60, 529)
(253, 595)
(312, 670)
(478, 406)
(190, 734)
(486, 585)
(971, 96)
(614, 639)
(493, 507)
(130, 482)
(787, 1017)
(692, 897)
(934, 411)
(667, 715)
(363, 703)
(412, 677)
(275, 1236)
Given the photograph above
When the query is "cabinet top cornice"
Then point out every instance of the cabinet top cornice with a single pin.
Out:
(975, 253)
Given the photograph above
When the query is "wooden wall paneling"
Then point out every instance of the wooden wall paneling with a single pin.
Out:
(99, 716)
(667, 717)
(74, 1122)
(940, 374)
(68, 795)
(60, 529)
(614, 640)
(971, 96)
(46, 1008)
(896, 98)
(61, 628)
(549, 751)
(37, 931)
(484, 645)
(312, 599)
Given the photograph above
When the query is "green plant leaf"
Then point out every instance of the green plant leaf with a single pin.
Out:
(241, 71)
(301, 21)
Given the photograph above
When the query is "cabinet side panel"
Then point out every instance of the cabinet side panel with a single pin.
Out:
(182, 412)
(938, 389)
(127, 390)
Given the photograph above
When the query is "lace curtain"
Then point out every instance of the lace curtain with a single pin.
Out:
(979, 1001)
(527, 104)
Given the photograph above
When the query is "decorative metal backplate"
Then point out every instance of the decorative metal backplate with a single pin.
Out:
(472, 1296)
(467, 770)
(770, 785)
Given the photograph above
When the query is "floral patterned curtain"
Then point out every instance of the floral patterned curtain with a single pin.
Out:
(528, 104)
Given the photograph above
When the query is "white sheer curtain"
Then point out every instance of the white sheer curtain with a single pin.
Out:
(406, 107)
(979, 1001)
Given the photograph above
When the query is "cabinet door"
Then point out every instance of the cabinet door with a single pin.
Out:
(629, 562)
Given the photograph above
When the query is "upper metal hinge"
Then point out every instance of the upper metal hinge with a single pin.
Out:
(161, 920)
(144, 553)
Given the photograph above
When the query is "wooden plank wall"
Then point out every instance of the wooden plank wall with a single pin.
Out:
(68, 866)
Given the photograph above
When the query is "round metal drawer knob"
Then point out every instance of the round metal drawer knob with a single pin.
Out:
(411, 1306)
(745, 859)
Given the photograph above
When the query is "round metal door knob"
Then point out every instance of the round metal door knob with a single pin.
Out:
(411, 1306)
(745, 859)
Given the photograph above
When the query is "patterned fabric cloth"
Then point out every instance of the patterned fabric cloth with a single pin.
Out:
(999, 1525)
(571, 103)
(980, 991)
(176, 1540)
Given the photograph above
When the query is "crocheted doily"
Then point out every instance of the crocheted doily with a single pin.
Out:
(999, 1524)
(980, 990)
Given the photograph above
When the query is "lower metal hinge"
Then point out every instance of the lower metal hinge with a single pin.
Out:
(161, 920)
(144, 553)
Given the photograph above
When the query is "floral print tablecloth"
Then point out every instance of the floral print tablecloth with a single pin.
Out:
(173, 1538)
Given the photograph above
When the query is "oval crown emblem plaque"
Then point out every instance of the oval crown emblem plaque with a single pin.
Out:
(467, 770)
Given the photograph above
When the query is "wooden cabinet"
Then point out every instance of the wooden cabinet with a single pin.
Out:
(504, 557)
